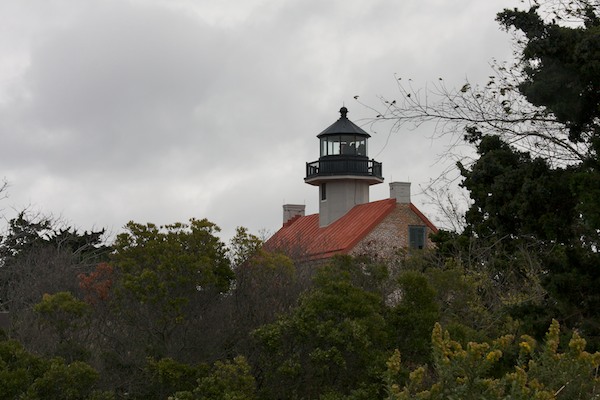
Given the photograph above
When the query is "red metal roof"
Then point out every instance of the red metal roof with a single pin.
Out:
(304, 236)
(426, 220)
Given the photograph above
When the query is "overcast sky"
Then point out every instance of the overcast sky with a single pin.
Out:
(163, 110)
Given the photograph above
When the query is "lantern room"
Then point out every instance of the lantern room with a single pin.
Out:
(343, 171)
(343, 153)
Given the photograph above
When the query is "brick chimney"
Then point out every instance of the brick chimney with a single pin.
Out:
(400, 191)
(292, 212)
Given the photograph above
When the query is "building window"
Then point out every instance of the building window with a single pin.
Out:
(416, 237)
(323, 191)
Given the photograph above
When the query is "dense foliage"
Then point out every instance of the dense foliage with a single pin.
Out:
(539, 201)
(476, 371)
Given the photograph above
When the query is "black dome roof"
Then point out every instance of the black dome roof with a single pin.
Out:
(343, 126)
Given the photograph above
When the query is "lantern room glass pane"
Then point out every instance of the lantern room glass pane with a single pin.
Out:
(347, 145)
(333, 146)
(344, 145)
(361, 147)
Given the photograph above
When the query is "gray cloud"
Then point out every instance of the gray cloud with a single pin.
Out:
(164, 110)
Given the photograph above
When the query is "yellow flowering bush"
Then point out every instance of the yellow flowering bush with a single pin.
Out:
(479, 371)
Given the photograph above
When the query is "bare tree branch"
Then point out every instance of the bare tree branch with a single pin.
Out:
(496, 108)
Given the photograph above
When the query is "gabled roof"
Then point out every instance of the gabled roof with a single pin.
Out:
(302, 236)
(306, 237)
(426, 220)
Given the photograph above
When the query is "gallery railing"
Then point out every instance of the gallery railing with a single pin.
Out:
(344, 166)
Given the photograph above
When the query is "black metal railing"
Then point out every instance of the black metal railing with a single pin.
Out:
(344, 166)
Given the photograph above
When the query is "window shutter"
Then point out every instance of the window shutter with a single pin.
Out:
(416, 237)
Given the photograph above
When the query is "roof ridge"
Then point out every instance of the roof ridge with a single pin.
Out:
(423, 218)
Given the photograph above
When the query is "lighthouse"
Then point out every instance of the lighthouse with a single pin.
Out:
(343, 171)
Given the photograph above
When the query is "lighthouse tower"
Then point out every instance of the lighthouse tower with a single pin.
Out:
(343, 171)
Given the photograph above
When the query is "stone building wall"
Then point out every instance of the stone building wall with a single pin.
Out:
(391, 234)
